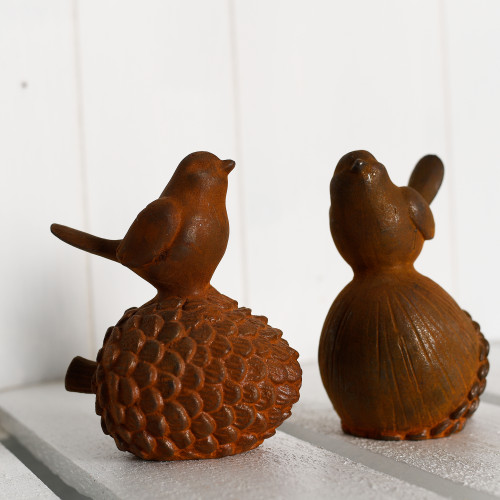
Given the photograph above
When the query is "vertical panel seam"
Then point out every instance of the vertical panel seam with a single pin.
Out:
(448, 125)
(83, 172)
(238, 147)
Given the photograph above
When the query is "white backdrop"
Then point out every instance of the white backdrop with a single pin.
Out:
(101, 99)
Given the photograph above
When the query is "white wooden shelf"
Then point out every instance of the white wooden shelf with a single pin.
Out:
(17, 481)
(309, 457)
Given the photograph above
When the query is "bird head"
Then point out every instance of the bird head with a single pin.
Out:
(375, 223)
(200, 173)
(361, 172)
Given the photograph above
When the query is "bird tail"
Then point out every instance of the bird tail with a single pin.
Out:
(427, 177)
(84, 241)
(79, 375)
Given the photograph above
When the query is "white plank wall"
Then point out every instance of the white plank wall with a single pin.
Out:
(156, 87)
(318, 79)
(473, 42)
(44, 288)
(100, 100)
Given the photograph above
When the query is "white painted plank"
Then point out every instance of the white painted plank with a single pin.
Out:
(16, 481)
(492, 393)
(156, 87)
(61, 429)
(473, 39)
(470, 458)
(318, 79)
(44, 288)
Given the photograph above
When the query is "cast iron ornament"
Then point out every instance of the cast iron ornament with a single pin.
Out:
(189, 374)
(398, 357)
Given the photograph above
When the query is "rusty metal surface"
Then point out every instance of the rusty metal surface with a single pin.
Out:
(189, 374)
(398, 357)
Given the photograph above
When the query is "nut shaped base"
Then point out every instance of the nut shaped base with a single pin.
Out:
(451, 425)
(192, 379)
(413, 368)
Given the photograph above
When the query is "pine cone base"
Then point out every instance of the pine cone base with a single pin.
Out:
(192, 379)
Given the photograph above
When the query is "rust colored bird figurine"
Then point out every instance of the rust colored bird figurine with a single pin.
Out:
(398, 357)
(189, 374)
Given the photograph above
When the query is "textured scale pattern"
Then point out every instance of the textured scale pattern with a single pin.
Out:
(190, 379)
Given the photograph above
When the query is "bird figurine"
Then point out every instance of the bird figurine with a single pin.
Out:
(189, 374)
(398, 357)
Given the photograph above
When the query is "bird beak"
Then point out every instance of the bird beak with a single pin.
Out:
(228, 165)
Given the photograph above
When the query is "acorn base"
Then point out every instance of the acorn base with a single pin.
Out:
(454, 423)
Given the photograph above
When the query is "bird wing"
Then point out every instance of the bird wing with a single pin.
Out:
(420, 212)
(85, 241)
(151, 234)
(427, 177)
